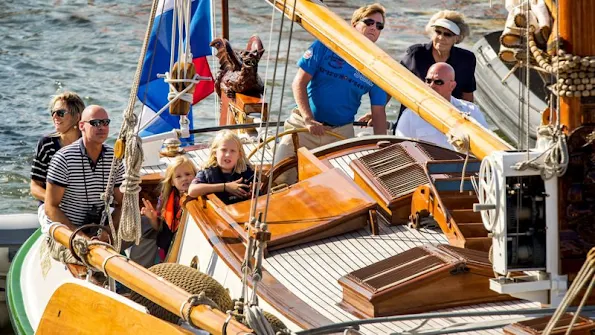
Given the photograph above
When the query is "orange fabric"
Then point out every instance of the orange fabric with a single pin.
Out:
(170, 212)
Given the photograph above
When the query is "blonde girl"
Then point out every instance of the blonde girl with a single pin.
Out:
(178, 177)
(227, 172)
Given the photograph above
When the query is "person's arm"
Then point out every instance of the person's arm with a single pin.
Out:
(39, 168)
(149, 211)
(379, 120)
(300, 94)
(53, 197)
(117, 213)
(468, 96)
(236, 188)
(37, 190)
(403, 126)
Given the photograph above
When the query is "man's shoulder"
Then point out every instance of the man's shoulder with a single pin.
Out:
(463, 105)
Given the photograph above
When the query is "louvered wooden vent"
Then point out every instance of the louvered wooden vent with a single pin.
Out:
(418, 280)
(393, 173)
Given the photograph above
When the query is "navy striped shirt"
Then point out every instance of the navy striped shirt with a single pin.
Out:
(46, 148)
(83, 181)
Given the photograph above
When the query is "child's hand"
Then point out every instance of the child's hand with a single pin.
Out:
(149, 211)
(237, 188)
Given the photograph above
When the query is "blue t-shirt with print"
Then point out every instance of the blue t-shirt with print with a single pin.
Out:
(336, 89)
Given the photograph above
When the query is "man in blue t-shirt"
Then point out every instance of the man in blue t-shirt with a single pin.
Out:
(328, 93)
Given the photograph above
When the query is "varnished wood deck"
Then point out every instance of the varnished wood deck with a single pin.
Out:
(311, 270)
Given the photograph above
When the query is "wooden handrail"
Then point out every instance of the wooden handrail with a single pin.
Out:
(161, 292)
(387, 73)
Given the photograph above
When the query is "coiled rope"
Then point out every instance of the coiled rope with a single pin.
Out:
(130, 221)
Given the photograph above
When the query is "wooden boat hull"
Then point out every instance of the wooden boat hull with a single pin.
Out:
(29, 292)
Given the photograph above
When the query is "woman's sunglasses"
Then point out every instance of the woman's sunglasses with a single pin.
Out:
(59, 112)
(99, 122)
(444, 33)
(369, 22)
(438, 82)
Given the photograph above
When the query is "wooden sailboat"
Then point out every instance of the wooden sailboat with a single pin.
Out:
(337, 250)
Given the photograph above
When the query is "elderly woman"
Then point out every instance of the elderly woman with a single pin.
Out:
(446, 28)
(65, 110)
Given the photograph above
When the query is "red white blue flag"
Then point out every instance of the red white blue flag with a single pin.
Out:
(153, 91)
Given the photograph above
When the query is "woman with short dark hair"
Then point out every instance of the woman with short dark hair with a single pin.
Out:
(446, 29)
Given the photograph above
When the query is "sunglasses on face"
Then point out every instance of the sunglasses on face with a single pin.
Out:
(369, 22)
(438, 82)
(59, 112)
(99, 122)
(444, 33)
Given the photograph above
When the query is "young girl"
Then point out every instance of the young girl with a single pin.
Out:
(227, 173)
(178, 177)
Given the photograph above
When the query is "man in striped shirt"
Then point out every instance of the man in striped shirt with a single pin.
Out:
(79, 172)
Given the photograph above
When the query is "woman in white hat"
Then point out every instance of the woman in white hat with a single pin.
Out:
(446, 28)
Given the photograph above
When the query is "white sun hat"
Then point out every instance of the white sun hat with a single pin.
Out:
(448, 24)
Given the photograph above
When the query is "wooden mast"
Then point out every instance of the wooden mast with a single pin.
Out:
(383, 70)
(225, 19)
(576, 33)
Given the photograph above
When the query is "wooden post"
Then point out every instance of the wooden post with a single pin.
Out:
(577, 32)
(225, 19)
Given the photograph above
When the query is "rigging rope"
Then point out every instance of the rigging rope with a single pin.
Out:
(585, 274)
(129, 227)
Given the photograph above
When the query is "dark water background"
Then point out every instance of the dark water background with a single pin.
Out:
(91, 47)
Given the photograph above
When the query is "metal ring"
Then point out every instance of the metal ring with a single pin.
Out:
(76, 231)
(224, 327)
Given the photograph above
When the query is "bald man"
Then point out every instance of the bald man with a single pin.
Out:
(78, 174)
(441, 78)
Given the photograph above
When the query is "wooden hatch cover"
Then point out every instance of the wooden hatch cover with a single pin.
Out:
(419, 280)
(390, 175)
(325, 205)
(582, 326)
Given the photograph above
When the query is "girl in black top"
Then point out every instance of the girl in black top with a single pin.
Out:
(227, 173)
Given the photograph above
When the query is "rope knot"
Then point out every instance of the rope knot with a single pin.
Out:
(195, 300)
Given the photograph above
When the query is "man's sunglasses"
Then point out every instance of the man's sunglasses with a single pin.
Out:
(438, 82)
(99, 122)
(59, 112)
(444, 33)
(369, 22)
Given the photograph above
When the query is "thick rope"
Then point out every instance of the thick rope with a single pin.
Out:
(584, 275)
(51, 248)
(461, 142)
(195, 300)
(555, 157)
(130, 221)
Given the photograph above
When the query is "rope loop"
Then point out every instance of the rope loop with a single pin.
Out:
(195, 300)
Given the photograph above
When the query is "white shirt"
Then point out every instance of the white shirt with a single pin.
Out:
(413, 126)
